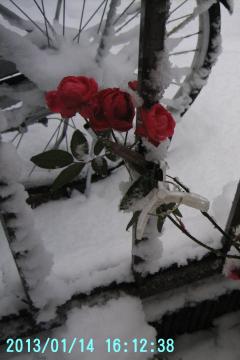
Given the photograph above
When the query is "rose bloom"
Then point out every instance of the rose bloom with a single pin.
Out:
(157, 124)
(72, 95)
(234, 274)
(111, 108)
(133, 85)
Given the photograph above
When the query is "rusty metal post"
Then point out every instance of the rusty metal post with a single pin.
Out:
(233, 220)
(154, 14)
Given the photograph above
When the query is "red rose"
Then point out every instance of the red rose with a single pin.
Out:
(234, 274)
(72, 95)
(112, 108)
(133, 85)
(53, 101)
(95, 113)
(76, 90)
(157, 124)
(56, 105)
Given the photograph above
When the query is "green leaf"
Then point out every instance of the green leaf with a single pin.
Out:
(178, 213)
(79, 145)
(136, 160)
(67, 175)
(160, 222)
(133, 220)
(53, 159)
(162, 209)
(99, 165)
(112, 156)
(99, 146)
(140, 188)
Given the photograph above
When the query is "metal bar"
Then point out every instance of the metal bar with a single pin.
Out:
(81, 20)
(10, 236)
(233, 219)
(58, 10)
(154, 14)
(103, 13)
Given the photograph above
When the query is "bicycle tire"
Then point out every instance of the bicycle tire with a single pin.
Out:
(204, 60)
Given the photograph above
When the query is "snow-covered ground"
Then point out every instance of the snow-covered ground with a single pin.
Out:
(87, 236)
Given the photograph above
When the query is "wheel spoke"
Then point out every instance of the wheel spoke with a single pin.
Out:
(182, 24)
(19, 141)
(104, 10)
(28, 17)
(128, 21)
(46, 146)
(64, 16)
(45, 21)
(178, 18)
(183, 52)
(63, 134)
(45, 17)
(66, 138)
(91, 17)
(81, 20)
(74, 125)
(15, 137)
(124, 11)
(178, 7)
(58, 10)
(190, 35)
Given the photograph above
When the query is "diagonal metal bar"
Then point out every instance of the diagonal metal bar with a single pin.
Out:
(101, 21)
(81, 20)
(58, 10)
(102, 49)
(14, 19)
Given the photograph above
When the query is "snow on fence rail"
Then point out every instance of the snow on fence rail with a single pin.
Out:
(32, 260)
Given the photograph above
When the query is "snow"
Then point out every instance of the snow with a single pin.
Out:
(121, 317)
(87, 252)
(219, 343)
(33, 260)
(3, 122)
(188, 295)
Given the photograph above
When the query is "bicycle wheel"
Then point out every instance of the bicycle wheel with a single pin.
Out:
(193, 39)
(208, 47)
